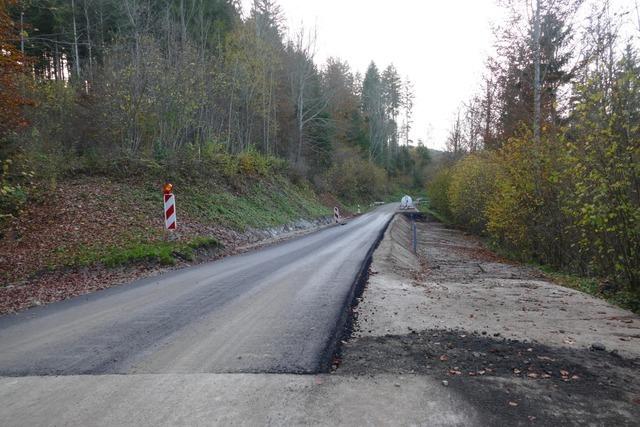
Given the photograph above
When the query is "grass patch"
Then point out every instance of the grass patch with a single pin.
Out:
(264, 204)
(161, 252)
(437, 215)
(426, 208)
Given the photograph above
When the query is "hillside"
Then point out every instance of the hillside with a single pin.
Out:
(95, 231)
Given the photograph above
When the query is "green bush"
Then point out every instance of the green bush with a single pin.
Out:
(14, 190)
(356, 179)
(438, 191)
(472, 184)
(525, 214)
(252, 163)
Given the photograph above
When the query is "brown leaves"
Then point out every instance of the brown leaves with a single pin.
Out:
(12, 68)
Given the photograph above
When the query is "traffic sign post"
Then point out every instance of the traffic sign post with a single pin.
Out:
(170, 222)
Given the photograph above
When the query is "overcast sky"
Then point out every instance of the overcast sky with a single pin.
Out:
(441, 45)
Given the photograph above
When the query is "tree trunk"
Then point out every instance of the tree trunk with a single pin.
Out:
(300, 121)
(536, 81)
(487, 114)
(76, 55)
(86, 17)
(22, 31)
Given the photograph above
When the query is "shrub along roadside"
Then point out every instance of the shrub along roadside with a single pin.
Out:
(571, 210)
(470, 189)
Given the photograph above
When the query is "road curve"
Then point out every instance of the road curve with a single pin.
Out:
(274, 310)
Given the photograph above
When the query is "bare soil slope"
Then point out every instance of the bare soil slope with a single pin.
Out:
(517, 348)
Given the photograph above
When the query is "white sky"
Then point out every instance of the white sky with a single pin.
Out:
(441, 45)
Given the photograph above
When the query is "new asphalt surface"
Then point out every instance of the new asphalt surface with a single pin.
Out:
(274, 310)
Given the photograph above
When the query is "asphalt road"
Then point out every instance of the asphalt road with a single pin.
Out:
(274, 310)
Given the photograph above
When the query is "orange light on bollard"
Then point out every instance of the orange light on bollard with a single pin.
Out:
(169, 207)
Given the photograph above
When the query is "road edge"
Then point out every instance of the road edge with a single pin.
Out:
(344, 324)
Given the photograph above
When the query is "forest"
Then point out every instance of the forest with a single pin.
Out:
(130, 87)
(543, 162)
(545, 159)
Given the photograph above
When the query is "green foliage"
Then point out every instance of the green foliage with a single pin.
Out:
(15, 184)
(264, 204)
(562, 188)
(570, 205)
(191, 88)
(12, 199)
(161, 252)
(524, 212)
(438, 191)
(604, 170)
(354, 179)
(472, 184)
(251, 163)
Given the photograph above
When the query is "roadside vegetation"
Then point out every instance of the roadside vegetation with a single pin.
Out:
(548, 169)
(102, 101)
(104, 86)
(115, 222)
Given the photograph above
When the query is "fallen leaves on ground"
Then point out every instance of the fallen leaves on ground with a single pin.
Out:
(37, 251)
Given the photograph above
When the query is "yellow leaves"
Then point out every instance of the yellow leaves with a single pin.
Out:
(438, 191)
(472, 184)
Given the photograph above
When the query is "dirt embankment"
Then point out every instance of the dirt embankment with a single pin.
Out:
(518, 349)
(53, 250)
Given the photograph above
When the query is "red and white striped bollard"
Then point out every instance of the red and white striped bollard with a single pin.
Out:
(169, 208)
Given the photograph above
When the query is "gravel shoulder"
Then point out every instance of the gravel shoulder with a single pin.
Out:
(518, 349)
